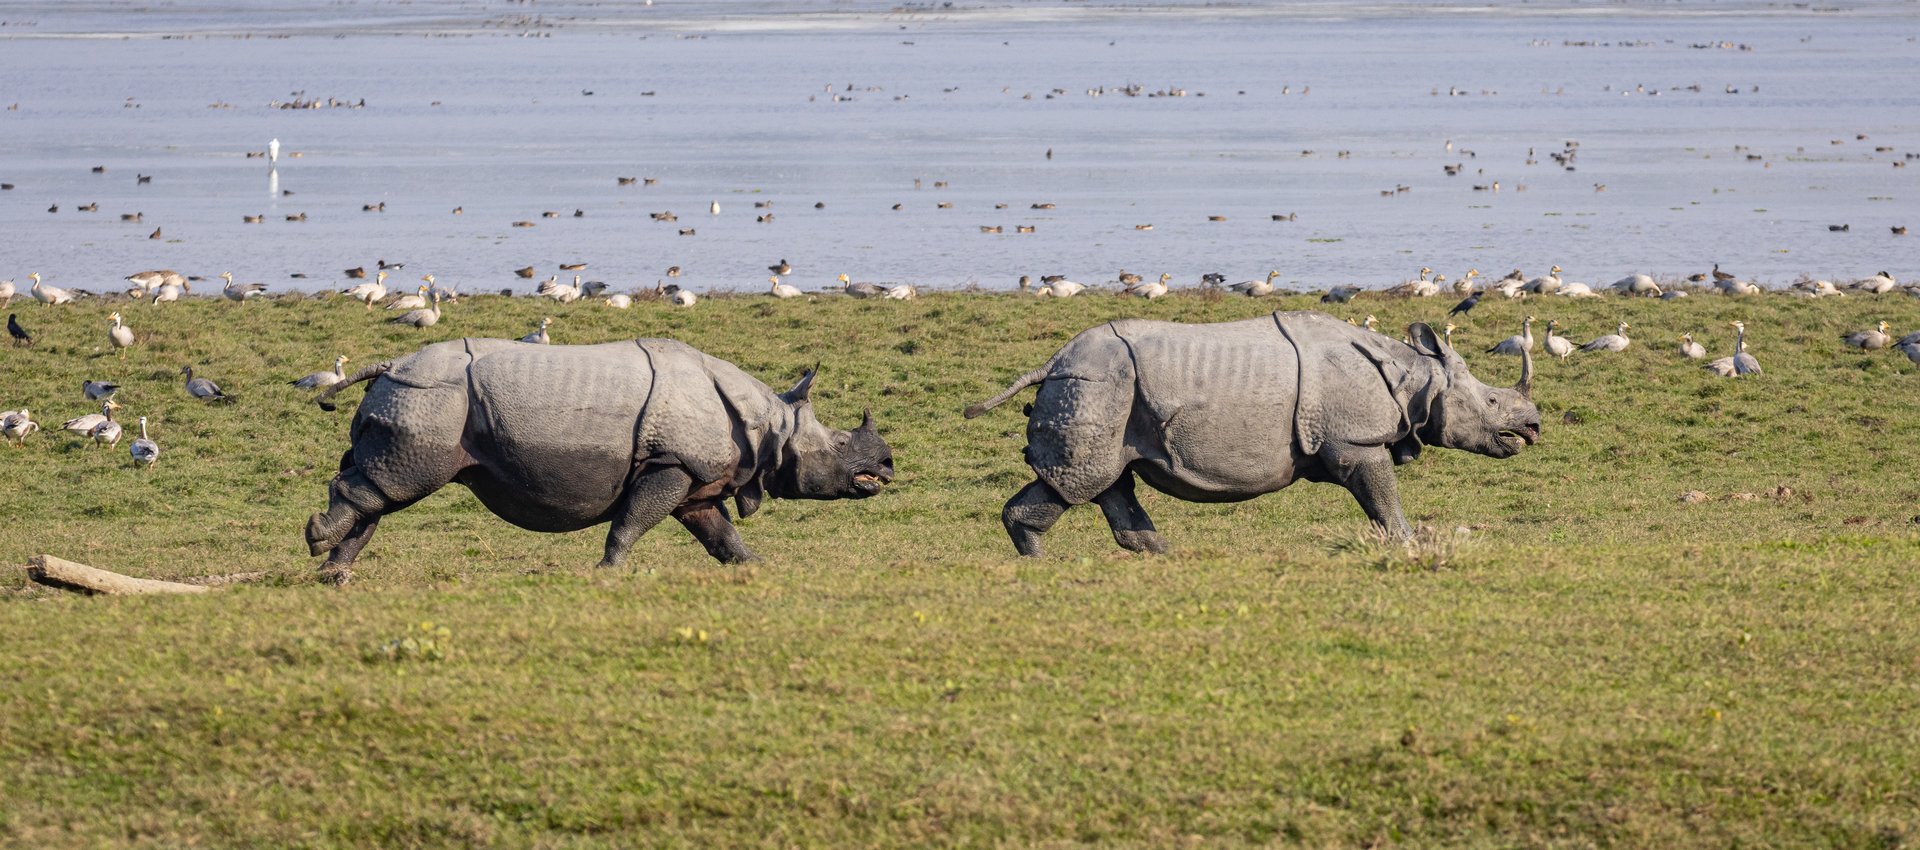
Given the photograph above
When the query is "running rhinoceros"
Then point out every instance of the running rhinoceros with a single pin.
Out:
(560, 438)
(1227, 412)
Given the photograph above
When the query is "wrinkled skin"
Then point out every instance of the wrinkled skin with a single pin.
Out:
(1230, 411)
(561, 438)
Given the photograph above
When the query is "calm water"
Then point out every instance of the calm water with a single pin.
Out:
(735, 103)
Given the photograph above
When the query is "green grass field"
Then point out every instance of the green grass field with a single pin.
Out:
(1588, 661)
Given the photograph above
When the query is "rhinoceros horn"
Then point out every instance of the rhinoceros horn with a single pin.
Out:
(1526, 375)
(866, 419)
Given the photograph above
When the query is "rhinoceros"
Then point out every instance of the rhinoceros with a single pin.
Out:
(561, 438)
(1226, 412)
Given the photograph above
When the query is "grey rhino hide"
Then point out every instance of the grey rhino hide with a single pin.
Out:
(1338, 397)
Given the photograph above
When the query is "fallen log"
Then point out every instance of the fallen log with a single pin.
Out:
(68, 575)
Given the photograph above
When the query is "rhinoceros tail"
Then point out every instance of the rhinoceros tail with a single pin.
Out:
(324, 399)
(1025, 381)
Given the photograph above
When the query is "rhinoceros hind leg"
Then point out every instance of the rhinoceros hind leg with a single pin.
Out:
(709, 523)
(1029, 514)
(339, 566)
(653, 494)
(1132, 528)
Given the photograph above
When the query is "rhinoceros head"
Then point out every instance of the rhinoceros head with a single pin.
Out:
(828, 463)
(1467, 414)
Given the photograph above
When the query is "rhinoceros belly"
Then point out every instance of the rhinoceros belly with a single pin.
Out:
(1213, 419)
(551, 430)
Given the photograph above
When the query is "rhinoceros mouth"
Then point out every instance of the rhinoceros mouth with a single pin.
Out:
(868, 483)
(1527, 434)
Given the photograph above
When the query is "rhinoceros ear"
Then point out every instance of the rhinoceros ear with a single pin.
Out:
(1425, 341)
(802, 390)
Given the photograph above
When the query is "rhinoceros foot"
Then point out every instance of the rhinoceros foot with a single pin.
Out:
(335, 574)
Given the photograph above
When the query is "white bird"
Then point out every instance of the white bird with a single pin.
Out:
(273, 151)
(1546, 285)
(1819, 288)
(144, 282)
(368, 292)
(782, 290)
(683, 297)
(447, 293)
(539, 337)
(619, 301)
(554, 289)
(144, 450)
(1870, 340)
(84, 425)
(1518, 343)
(416, 301)
(1465, 284)
(1558, 346)
(1576, 289)
(715, 209)
(1690, 349)
(323, 379)
(1731, 286)
(1511, 287)
(1060, 289)
(1256, 288)
(903, 292)
(119, 335)
(7, 293)
(1637, 284)
(107, 432)
(15, 425)
(49, 295)
(240, 292)
(420, 318)
(1880, 284)
(1150, 291)
(1616, 341)
(169, 292)
(1740, 362)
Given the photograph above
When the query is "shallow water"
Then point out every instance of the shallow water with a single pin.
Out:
(730, 102)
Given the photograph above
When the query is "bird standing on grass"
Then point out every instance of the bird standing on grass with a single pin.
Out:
(1558, 346)
(1150, 291)
(323, 379)
(15, 425)
(107, 432)
(1256, 288)
(7, 292)
(368, 292)
(49, 295)
(201, 388)
(420, 318)
(19, 334)
(84, 425)
(410, 302)
(119, 335)
(1517, 344)
(97, 390)
(144, 450)
(1740, 362)
(240, 291)
(1465, 306)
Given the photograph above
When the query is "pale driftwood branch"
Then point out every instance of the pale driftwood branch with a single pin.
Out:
(67, 575)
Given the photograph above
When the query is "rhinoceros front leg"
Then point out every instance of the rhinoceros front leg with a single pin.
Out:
(1367, 473)
(1029, 514)
(653, 494)
(709, 523)
(1132, 528)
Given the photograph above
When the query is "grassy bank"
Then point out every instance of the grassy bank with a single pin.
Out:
(1591, 662)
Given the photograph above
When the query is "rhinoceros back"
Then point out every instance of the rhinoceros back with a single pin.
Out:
(1208, 408)
(558, 423)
